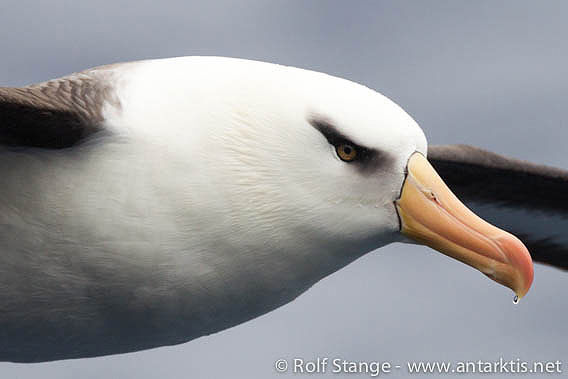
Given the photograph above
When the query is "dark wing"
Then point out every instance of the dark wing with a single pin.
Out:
(55, 114)
(529, 200)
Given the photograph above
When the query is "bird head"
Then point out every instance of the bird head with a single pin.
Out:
(332, 166)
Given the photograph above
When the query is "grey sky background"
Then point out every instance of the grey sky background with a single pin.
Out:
(490, 74)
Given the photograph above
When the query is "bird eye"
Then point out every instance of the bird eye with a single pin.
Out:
(346, 152)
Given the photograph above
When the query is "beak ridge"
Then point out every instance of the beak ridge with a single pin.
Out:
(432, 215)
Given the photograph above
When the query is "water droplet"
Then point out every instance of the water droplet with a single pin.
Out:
(516, 300)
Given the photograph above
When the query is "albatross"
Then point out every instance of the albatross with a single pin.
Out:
(149, 203)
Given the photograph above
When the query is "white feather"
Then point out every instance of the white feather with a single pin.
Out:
(212, 201)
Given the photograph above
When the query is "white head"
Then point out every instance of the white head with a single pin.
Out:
(316, 153)
(289, 164)
(322, 158)
(269, 136)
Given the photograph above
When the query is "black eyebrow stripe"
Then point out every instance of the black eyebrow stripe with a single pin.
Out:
(371, 160)
(330, 132)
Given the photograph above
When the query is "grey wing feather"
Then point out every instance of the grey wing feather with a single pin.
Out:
(56, 114)
(529, 200)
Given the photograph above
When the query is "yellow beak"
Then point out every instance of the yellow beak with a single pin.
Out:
(432, 215)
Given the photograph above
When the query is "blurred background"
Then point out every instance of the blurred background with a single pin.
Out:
(485, 73)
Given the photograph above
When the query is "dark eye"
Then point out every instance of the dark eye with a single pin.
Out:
(346, 152)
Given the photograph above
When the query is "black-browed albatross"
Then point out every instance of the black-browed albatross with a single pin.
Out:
(149, 203)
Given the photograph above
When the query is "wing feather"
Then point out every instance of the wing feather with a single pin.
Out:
(56, 114)
(529, 200)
